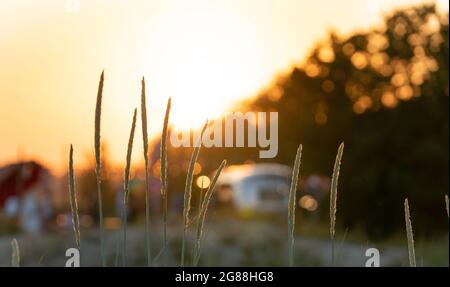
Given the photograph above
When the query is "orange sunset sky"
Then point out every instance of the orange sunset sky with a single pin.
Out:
(206, 55)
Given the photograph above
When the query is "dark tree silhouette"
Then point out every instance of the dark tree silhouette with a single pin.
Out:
(385, 93)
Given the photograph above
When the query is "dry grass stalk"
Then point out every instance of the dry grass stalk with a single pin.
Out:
(291, 205)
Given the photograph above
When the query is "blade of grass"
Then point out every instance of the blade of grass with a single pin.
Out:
(98, 115)
(446, 203)
(410, 237)
(199, 208)
(333, 197)
(73, 200)
(164, 183)
(147, 198)
(188, 192)
(292, 204)
(202, 214)
(127, 188)
(15, 257)
(341, 245)
(116, 257)
(41, 259)
(200, 198)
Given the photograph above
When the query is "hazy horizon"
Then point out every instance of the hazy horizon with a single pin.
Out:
(51, 59)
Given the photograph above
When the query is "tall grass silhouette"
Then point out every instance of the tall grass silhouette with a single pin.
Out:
(73, 200)
(204, 199)
(188, 192)
(164, 181)
(333, 198)
(127, 188)
(98, 116)
(202, 214)
(15, 256)
(446, 204)
(409, 236)
(292, 203)
(147, 188)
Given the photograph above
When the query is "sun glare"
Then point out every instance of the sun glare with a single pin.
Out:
(206, 61)
(205, 55)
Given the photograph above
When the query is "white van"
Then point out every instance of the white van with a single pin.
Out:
(255, 188)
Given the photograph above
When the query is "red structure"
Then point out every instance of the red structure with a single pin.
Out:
(17, 179)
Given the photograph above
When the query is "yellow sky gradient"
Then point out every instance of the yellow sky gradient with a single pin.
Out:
(204, 54)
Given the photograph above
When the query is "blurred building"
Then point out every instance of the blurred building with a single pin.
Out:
(25, 195)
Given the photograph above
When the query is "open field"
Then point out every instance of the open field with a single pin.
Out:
(260, 175)
(229, 242)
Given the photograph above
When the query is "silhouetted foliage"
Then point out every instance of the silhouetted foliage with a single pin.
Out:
(385, 94)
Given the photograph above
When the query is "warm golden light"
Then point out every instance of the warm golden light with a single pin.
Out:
(399, 79)
(362, 104)
(308, 202)
(206, 55)
(312, 70)
(203, 181)
(389, 100)
(348, 49)
(328, 86)
(197, 168)
(405, 92)
(359, 60)
(326, 55)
